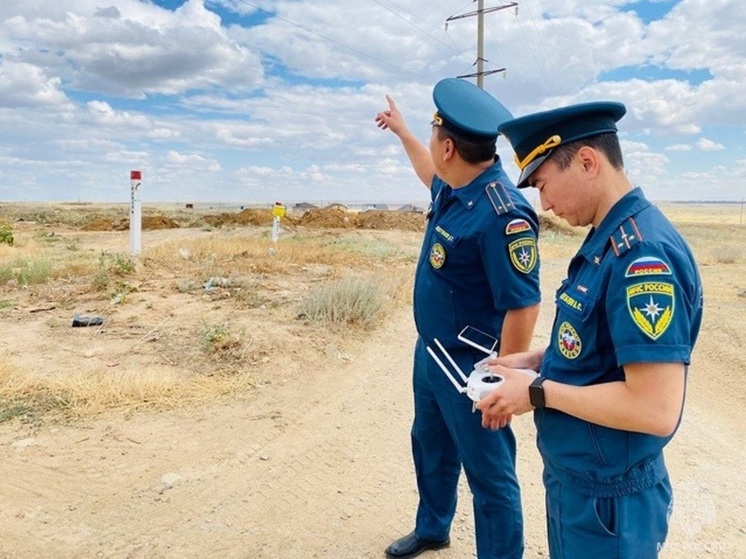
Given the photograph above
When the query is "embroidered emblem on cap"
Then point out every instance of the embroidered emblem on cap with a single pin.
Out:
(651, 306)
(523, 254)
(517, 226)
(568, 341)
(437, 256)
(648, 266)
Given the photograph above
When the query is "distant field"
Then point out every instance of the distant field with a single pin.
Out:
(715, 213)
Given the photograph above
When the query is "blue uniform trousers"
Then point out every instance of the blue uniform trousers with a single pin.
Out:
(446, 434)
(626, 527)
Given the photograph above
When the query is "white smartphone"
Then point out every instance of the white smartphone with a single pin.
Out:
(479, 340)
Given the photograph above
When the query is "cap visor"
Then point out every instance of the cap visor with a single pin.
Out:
(529, 169)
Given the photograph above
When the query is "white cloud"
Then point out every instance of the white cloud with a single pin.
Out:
(708, 145)
(679, 147)
(26, 85)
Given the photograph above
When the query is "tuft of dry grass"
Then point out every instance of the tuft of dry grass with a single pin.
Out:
(83, 394)
(347, 301)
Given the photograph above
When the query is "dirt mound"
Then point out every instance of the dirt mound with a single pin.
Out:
(152, 222)
(149, 222)
(387, 220)
(327, 217)
(253, 217)
(103, 224)
(219, 220)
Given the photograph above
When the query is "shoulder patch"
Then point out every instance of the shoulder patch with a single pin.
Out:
(625, 237)
(499, 198)
(648, 266)
(651, 306)
(523, 254)
(517, 226)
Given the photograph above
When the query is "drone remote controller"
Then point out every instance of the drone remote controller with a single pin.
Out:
(478, 384)
(480, 381)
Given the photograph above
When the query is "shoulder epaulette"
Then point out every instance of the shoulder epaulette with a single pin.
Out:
(499, 197)
(625, 237)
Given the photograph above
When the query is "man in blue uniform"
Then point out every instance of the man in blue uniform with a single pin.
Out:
(479, 267)
(611, 387)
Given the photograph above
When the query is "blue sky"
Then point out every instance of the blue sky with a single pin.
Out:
(238, 101)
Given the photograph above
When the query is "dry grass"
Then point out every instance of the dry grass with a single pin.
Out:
(194, 319)
(79, 394)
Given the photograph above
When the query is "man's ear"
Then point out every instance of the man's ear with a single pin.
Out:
(589, 160)
(449, 149)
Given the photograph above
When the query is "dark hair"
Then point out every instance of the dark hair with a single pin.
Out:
(469, 151)
(606, 143)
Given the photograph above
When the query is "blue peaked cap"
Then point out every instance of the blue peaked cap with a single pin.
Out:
(468, 111)
(535, 136)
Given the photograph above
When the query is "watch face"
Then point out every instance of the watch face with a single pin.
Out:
(536, 393)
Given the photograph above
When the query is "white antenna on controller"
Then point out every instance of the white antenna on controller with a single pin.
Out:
(445, 369)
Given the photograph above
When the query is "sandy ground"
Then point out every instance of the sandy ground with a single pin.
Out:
(315, 462)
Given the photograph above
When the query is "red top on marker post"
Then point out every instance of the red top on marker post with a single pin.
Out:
(135, 175)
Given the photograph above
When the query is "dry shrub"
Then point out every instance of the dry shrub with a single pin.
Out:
(350, 301)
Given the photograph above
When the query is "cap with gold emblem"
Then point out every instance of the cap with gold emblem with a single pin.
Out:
(467, 110)
(534, 136)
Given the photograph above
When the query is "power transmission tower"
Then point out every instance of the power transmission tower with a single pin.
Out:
(480, 73)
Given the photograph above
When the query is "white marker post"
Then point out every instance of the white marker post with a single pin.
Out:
(278, 212)
(135, 211)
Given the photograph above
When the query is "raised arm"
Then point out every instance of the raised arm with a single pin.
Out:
(418, 153)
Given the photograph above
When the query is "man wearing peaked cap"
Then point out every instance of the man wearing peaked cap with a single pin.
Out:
(478, 267)
(612, 379)
(533, 137)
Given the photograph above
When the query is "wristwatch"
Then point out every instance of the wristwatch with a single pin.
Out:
(536, 393)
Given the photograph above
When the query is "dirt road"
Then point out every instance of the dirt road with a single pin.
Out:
(314, 464)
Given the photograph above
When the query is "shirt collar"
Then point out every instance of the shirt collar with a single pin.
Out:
(595, 243)
(469, 194)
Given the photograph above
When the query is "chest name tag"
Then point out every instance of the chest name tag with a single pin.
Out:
(571, 302)
(443, 233)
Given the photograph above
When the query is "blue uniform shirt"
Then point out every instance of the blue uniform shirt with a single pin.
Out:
(479, 258)
(632, 295)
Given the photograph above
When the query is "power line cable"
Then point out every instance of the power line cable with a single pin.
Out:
(538, 33)
(452, 47)
(539, 67)
(322, 36)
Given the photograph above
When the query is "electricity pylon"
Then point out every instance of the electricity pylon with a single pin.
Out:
(480, 73)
